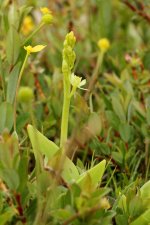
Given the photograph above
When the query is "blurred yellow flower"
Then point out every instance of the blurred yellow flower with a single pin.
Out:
(45, 10)
(27, 25)
(47, 17)
(104, 44)
(31, 49)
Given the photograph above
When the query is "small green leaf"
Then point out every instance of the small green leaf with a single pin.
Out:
(118, 157)
(95, 173)
(125, 131)
(146, 60)
(12, 83)
(139, 108)
(6, 116)
(113, 119)
(13, 45)
(118, 108)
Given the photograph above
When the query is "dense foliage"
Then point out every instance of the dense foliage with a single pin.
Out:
(74, 112)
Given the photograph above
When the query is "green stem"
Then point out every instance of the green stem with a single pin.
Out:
(98, 65)
(65, 111)
(17, 88)
(72, 91)
(34, 32)
(95, 74)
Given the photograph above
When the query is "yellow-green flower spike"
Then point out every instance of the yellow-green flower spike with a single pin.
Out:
(68, 52)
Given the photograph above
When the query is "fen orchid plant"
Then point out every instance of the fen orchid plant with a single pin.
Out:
(56, 156)
(71, 82)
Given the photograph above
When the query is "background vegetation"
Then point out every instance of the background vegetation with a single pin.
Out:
(108, 121)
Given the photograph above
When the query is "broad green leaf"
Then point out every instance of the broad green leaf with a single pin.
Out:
(61, 214)
(118, 157)
(146, 60)
(10, 177)
(145, 190)
(12, 83)
(70, 173)
(13, 45)
(144, 219)
(9, 152)
(22, 120)
(13, 16)
(6, 116)
(4, 23)
(121, 219)
(118, 108)
(139, 108)
(41, 143)
(7, 216)
(49, 149)
(122, 202)
(95, 174)
(125, 131)
(135, 207)
(44, 182)
(148, 116)
(113, 119)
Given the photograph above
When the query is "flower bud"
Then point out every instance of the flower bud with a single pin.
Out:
(65, 68)
(72, 60)
(25, 94)
(67, 52)
(47, 18)
(70, 39)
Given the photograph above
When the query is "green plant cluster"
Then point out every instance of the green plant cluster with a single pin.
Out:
(74, 149)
